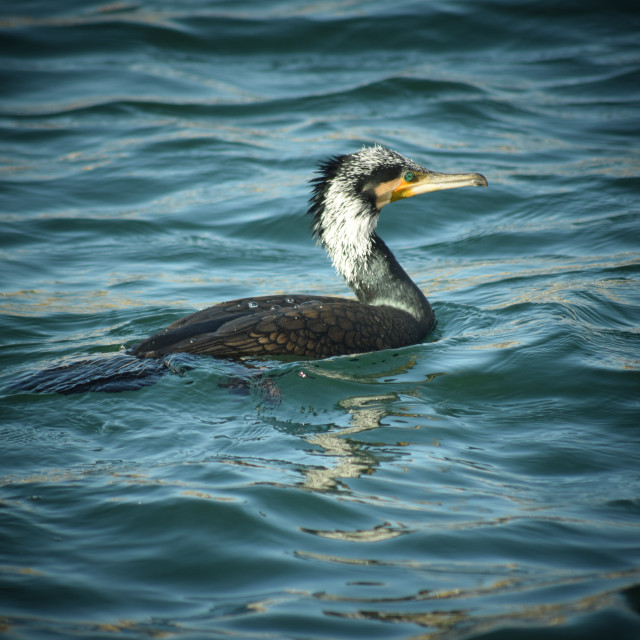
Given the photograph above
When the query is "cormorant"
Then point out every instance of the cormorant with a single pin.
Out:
(390, 310)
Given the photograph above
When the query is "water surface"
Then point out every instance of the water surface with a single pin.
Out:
(154, 160)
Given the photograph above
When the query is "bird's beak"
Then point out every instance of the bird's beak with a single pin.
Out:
(432, 181)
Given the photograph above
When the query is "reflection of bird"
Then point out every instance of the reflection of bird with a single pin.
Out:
(390, 311)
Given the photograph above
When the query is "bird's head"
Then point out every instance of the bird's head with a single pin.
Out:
(350, 191)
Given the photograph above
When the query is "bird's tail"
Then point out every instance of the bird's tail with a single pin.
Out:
(111, 373)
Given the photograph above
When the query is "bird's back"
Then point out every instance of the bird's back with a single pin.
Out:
(301, 325)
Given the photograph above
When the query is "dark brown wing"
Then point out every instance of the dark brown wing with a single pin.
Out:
(306, 326)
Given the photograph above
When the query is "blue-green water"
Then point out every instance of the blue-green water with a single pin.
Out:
(154, 160)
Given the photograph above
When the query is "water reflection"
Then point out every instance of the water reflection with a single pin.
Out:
(465, 619)
(352, 460)
(366, 413)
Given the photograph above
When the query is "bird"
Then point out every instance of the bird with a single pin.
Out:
(389, 310)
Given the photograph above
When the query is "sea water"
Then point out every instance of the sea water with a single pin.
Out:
(155, 159)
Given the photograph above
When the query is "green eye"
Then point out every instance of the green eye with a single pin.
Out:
(408, 176)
